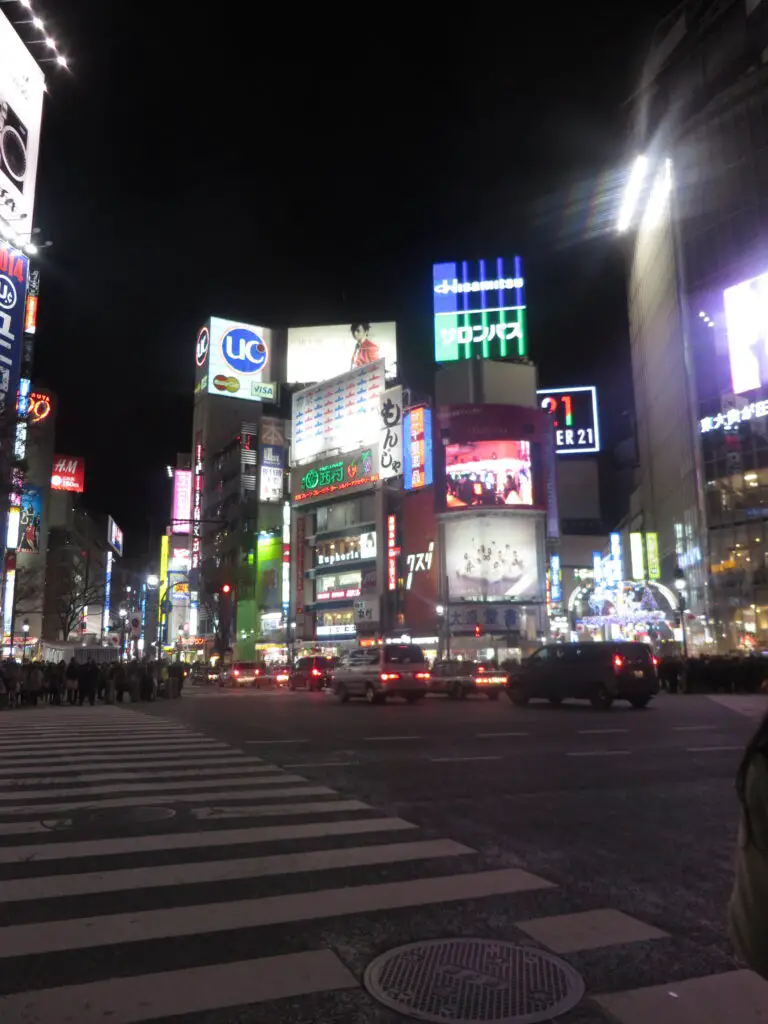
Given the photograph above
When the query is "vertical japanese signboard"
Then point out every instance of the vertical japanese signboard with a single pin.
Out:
(417, 448)
(391, 433)
(13, 292)
(392, 552)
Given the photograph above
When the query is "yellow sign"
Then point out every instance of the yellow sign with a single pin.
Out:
(652, 554)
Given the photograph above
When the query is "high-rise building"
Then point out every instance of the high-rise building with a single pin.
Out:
(695, 213)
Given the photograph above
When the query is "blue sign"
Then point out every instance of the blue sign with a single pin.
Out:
(244, 350)
(272, 455)
(555, 579)
(31, 519)
(14, 267)
(417, 448)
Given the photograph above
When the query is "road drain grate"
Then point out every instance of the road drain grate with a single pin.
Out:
(468, 981)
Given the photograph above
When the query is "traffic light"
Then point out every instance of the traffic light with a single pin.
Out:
(477, 631)
(226, 588)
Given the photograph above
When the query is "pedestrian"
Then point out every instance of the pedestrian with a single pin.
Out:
(748, 906)
(72, 678)
(89, 682)
(34, 683)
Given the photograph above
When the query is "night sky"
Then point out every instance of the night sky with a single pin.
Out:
(295, 172)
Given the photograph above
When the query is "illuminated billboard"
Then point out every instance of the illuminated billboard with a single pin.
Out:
(318, 353)
(31, 518)
(746, 324)
(13, 286)
(114, 536)
(488, 474)
(332, 476)
(22, 86)
(182, 500)
(493, 558)
(574, 418)
(235, 360)
(479, 310)
(68, 473)
(417, 448)
(339, 415)
(272, 471)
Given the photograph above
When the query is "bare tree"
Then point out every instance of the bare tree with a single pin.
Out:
(69, 594)
(30, 590)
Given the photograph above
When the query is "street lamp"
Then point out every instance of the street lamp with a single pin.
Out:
(123, 617)
(153, 581)
(444, 629)
(25, 631)
(680, 588)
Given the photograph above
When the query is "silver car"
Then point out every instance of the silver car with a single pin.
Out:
(376, 673)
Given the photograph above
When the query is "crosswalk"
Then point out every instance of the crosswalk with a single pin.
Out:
(148, 871)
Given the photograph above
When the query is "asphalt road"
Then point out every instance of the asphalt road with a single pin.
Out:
(125, 838)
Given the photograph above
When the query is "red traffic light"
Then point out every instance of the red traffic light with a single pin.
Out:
(226, 588)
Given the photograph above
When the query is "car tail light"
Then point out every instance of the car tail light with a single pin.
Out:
(236, 672)
(482, 680)
(316, 673)
(480, 669)
(618, 663)
(256, 671)
(389, 677)
(282, 677)
(423, 675)
(654, 661)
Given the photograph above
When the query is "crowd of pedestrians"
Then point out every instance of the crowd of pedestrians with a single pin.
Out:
(34, 682)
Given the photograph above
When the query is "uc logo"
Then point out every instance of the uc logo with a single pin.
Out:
(244, 350)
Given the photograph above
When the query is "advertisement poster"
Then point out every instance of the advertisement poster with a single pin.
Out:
(488, 474)
(338, 416)
(318, 353)
(114, 536)
(271, 471)
(31, 519)
(68, 474)
(493, 558)
(746, 322)
(239, 360)
(22, 86)
(417, 448)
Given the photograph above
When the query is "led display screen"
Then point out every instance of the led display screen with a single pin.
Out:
(746, 322)
(316, 354)
(493, 558)
(574, 418)
(488, 474)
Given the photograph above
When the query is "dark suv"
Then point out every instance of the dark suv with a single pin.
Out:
(314, 673)
(598, 672)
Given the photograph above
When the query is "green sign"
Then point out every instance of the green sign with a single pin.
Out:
(325, 478)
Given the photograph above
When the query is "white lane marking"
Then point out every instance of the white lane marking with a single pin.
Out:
(706, 750)
(374, 739)
(103, 746)
(693, 728)
(78, 764)
(282, 810)
(168, 786)
(269, 742)
(599, 732)
(137, 776)
(319, 764)
(23, 828)
(482, 757)
(489, 735)
(166, 994)
(596, 753)
(210, 918)
(160, 876)
(198, 840)
(167, 798)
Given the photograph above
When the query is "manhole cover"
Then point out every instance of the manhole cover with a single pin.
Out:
(467, 981)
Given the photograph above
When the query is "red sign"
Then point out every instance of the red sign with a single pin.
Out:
(197, 503)
(30, 315)
(68, 473)
(392, 552)
(420, 562)
(39, 407)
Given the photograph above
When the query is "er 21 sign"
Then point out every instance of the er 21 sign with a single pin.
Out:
(574, 418)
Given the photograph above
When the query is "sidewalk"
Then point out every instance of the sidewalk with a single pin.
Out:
(751, 705)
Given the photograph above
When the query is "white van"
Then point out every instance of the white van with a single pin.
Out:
(376, 673)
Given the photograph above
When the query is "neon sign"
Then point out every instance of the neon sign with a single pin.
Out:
(479, 310)
(417, 448)
(392, 552)
(421, 561)
(342, 474)
(39, 407)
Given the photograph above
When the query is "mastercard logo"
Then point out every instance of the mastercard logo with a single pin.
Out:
(224, 383)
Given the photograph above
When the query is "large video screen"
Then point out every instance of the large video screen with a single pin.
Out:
(492, 558)
(318, 353)
(746, 321)
(488, 474)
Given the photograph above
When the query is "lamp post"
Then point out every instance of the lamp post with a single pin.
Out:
(680, 588)
(444, 630)
(123, 617)
(25, 631)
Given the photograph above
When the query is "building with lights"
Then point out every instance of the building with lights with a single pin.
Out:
(695, 215)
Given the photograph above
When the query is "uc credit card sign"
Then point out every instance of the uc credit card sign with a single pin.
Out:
(239, 361)
(14, 267)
